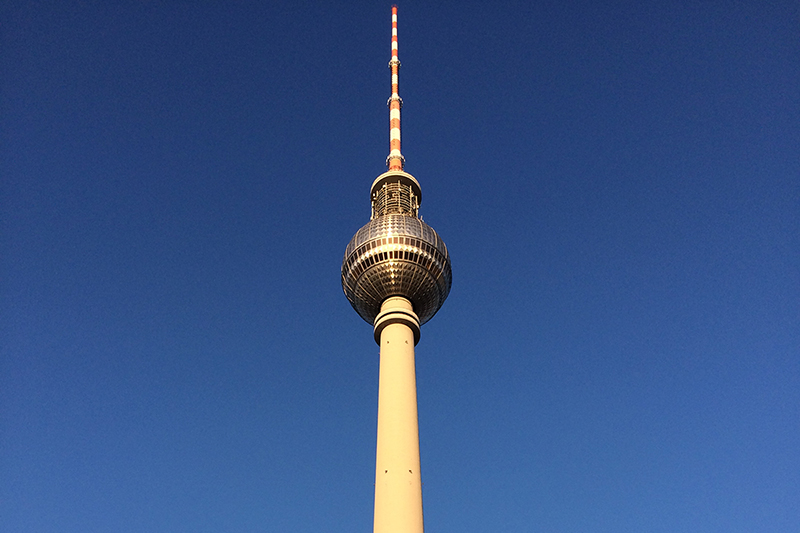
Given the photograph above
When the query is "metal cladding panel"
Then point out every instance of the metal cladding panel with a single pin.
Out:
(396, 255)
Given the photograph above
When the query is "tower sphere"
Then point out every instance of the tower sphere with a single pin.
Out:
(396, 253)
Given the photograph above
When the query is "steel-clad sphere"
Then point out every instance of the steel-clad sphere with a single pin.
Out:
(396, 255)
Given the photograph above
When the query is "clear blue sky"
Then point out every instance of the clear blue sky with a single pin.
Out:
(619, 188)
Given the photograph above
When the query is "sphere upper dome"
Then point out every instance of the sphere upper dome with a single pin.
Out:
(396, 255)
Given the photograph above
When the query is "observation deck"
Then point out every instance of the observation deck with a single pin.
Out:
(396, 253)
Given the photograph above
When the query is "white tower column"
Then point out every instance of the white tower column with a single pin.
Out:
(398, 487)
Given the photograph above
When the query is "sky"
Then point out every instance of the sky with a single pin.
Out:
(618, 185)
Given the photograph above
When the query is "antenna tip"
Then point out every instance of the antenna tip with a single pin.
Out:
(394, 9)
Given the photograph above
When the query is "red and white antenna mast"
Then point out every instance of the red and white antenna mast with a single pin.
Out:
(395, 161)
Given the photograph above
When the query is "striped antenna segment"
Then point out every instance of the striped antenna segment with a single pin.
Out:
(395, 161)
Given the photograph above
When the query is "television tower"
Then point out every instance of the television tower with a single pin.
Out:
(396, 273)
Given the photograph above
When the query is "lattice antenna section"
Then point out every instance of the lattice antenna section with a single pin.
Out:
(397, 193)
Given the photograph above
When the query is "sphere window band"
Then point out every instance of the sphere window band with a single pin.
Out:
(410, 255)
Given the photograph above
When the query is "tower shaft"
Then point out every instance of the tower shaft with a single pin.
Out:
(398, 487)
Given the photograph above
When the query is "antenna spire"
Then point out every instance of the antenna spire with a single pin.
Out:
(395, 161)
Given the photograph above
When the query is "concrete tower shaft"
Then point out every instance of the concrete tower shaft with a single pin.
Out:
(398, 484)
